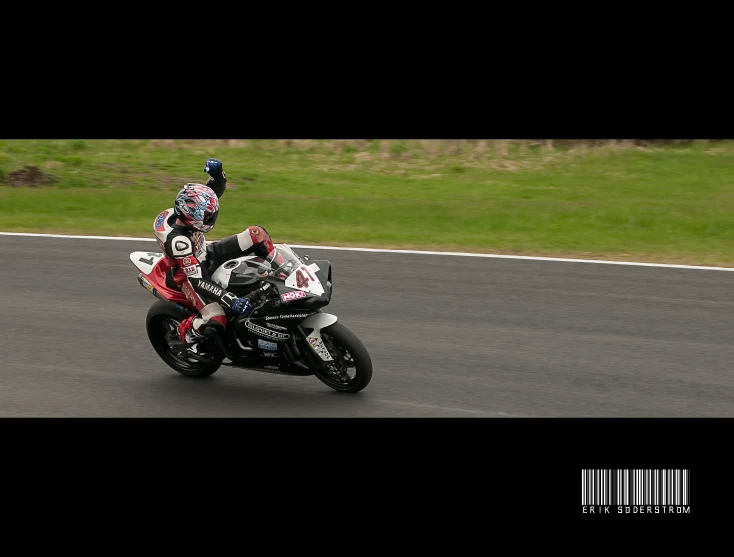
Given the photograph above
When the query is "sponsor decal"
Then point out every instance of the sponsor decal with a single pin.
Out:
(320, 348)
(190, 270)
(258, 330)
(160, 220)
(265, 345)
(186, 261)
(270, 355)
(274, 326)
(271, 367)
(288, 296)
(189, 292)
(147, 285)
(211, 288)
(288, 316)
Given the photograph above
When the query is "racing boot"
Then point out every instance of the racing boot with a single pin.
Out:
(187, 330)
(193, 329)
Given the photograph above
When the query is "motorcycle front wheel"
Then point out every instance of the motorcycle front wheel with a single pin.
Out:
(351, 370)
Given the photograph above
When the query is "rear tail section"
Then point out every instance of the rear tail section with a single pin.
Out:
(152, 277)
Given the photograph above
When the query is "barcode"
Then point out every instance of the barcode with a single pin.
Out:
(635, 487)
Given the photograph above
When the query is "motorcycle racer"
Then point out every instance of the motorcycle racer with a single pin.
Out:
(180, 231)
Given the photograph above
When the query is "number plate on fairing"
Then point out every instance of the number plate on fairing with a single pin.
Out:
(145, 261)
(304, 278)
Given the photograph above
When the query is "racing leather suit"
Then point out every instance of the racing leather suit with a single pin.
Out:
(191, 262)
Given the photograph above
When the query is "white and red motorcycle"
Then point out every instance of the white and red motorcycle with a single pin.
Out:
(286, 333)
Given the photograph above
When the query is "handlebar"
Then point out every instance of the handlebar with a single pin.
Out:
(264, 303)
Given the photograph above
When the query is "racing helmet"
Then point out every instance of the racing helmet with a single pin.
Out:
(197, 206)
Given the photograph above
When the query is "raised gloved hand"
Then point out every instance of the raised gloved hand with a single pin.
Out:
(243, 306)
(214, 168)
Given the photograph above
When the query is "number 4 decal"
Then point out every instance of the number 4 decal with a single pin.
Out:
(304, 278)
(149, 261)
(301, 280)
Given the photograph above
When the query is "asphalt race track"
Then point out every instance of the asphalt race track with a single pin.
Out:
(451, 336)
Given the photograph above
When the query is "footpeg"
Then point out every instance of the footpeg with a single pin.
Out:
(216, 332)
(212, 330)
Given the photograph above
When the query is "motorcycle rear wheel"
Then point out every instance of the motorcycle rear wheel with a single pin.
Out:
(162, 324)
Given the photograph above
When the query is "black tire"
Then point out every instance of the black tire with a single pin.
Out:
(161, 317)
(338, 337)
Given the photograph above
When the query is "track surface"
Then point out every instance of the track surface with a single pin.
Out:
(463, 337)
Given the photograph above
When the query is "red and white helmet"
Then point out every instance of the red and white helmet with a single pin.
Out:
(198, 206)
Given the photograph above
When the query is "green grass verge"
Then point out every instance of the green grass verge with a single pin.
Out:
(671, 203)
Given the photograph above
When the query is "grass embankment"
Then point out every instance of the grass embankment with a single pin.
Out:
(671, 203)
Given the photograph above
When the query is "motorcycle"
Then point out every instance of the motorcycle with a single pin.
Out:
(286, 333)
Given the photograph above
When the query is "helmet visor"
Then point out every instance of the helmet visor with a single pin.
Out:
(210, 219)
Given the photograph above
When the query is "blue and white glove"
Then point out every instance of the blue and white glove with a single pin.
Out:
(214, 168)
(243, 306)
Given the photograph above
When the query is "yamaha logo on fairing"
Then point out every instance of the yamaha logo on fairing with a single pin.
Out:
(258, 330)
